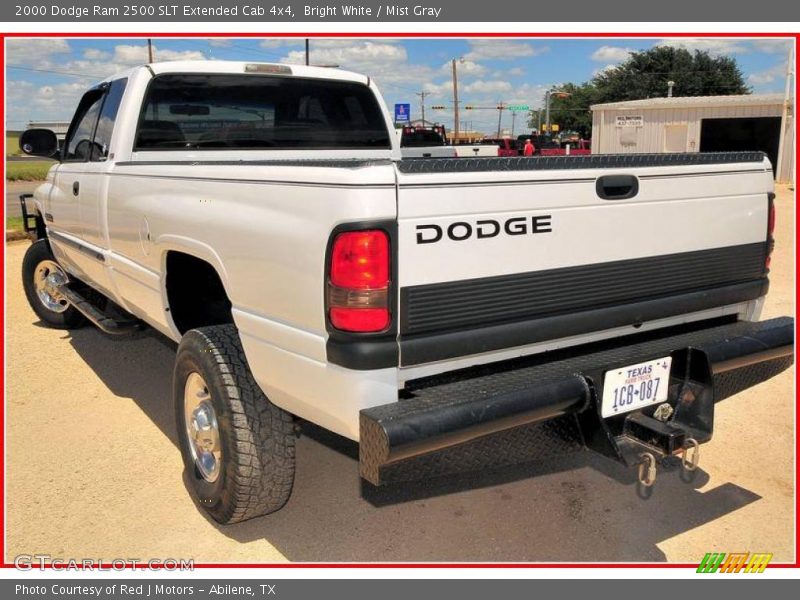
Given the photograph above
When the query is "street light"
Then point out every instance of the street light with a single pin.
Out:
(549, 94)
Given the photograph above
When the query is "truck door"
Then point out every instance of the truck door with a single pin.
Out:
(73, 221)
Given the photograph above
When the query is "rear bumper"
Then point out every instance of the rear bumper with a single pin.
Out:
(523, 406)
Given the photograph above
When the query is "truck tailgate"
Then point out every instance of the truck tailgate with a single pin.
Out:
(497, 253)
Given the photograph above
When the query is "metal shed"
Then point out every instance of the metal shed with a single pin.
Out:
(698, 124)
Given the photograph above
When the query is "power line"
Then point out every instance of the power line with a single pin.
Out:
(72, 73)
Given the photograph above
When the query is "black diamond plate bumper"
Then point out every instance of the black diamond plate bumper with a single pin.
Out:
(539, 407)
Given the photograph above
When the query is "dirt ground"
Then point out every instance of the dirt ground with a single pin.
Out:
(93, 471)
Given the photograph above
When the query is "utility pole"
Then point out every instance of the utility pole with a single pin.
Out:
(455, 103)
(547, 110)
(785, 120)
(513, 121)
(500, 108)
(149, 50)
(307, 52)
(422, 95)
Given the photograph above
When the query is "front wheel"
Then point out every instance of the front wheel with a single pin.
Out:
(238, 447)
(41, 274)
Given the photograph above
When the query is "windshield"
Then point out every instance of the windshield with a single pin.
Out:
(202, 111)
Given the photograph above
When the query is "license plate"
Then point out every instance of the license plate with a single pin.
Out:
(635, 386)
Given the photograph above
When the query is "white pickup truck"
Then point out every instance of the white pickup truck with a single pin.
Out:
(445, 314)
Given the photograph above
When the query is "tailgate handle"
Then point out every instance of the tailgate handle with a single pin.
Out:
(617, 187)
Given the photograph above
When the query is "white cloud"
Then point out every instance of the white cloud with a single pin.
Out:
(772, 46)
(516, 72)
(219, 42)
(272, 43)
(43, 102)
(714, 46)
(601, 70)
(366, 57)
(465, 68)
(35, 52)
(484, 88)
(131, 55)
(502, 50)
(96, 54)
(774, 74)
(611, 54)
(385, 62)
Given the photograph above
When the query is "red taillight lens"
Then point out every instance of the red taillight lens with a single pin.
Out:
(770, 229)
(358, 290)
(360, 260)
(360, 320)
(771, 218)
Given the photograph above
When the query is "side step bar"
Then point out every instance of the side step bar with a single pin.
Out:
(100, 319)
(443, 414)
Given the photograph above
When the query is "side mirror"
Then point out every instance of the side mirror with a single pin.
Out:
(39, 142)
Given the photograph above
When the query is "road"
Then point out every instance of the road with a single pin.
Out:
(93, 471)
(13, 190)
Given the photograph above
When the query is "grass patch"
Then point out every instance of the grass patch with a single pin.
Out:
(27, 171)
(12, 145)
(14, 224)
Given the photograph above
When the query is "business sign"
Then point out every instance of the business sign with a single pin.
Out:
(402, 113)
(635, 121)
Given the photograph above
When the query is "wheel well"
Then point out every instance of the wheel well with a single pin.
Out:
(195, 293)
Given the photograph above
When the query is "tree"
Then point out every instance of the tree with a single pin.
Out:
(570, 112)
(645, 75)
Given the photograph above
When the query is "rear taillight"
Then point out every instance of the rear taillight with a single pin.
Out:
(771, 219)
(358, 285)
(770, 229)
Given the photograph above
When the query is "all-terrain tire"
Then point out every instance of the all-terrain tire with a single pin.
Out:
(38, 255)
(256, 471)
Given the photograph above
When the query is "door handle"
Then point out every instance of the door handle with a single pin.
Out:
(617, 187)
(76, 187)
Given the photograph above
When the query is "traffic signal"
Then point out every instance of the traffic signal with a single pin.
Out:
(437, 107)
(469, 107)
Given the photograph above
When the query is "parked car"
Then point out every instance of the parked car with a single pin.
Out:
(438, 312)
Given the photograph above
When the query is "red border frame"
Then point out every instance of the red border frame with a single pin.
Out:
(357, 35)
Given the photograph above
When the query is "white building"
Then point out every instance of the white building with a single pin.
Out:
(699, 124)
(57, 127)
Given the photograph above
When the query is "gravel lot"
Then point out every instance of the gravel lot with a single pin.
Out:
(93, 471)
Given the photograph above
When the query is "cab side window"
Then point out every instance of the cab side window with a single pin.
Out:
(108, 116)
(78, 145)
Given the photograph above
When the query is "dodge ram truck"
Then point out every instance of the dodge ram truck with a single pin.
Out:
(443, 313)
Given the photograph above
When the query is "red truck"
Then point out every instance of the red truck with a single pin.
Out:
(506, 146)
(581, 147)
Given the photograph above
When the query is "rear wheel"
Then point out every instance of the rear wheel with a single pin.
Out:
(238, 447)
(41, 274)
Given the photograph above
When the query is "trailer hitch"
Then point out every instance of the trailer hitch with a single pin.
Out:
(690, 459)
(647, 469)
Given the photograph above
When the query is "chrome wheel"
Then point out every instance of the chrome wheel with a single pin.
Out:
(202, 429)
(46, 279)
